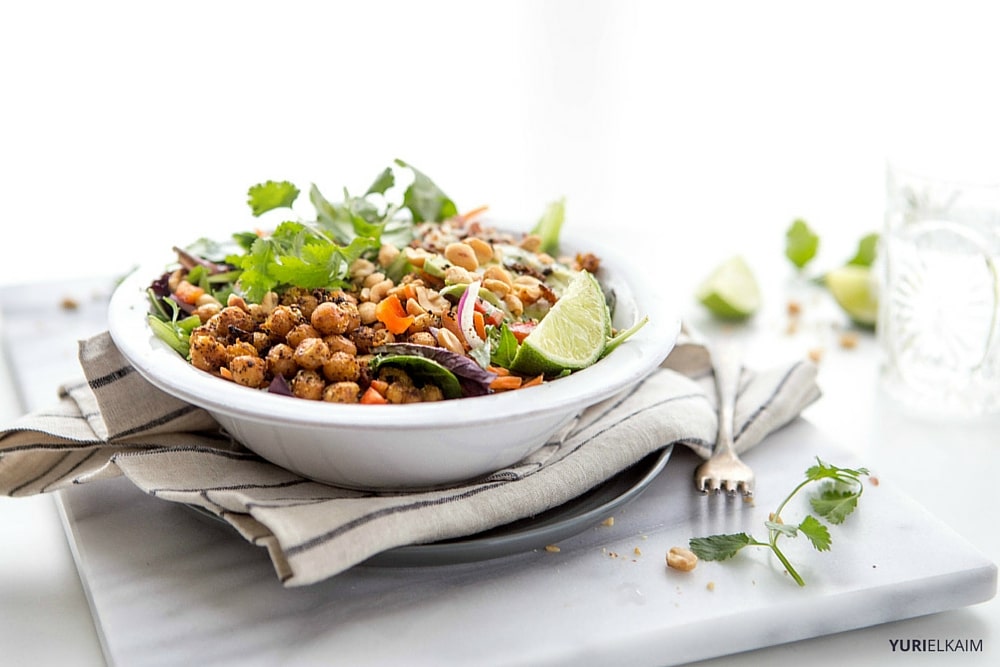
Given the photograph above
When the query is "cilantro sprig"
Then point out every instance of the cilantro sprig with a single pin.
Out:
(318, 253)
(840, 490)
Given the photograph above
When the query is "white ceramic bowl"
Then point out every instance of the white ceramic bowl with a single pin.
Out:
(401, 446)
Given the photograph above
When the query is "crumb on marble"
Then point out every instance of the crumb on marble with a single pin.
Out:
(849, 340)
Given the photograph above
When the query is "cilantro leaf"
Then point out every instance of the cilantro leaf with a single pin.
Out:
(823, 470)
(425, 200)
(834, 504)
(865, 254)
(503, 345)
(783, 528)
(382, 182)
(841, 490)
(297, 254)
(801, 243)
(816, 532)
(719, 547)
(270, 195)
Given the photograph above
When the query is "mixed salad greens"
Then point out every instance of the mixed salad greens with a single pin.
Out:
(457, 310)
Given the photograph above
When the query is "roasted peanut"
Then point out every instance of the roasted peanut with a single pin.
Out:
(498, 287)
(449, 341)
(456, 275)
(497, 272)
(461, 254)
(386, 254)
(681, 559)
(531, 242)
(361, 269)
(366, 311)
(380, 290)
(373, 279)
(483, 250)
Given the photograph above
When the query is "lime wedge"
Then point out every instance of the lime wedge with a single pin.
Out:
(730, 291)
(573, 333)
(854, 290)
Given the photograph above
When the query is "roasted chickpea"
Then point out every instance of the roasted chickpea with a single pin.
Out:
(281, 360)
(300, 332)
(311, 353)
(341, 344)
(207, 353)
(423, 338)
(248, 371)
(341, 367)
(303, 299)
(394, 375)
(240, 348)
(431, 392)
(280, 321)
(330, 318)
(397, 392)
(342, 392)
(307, 384)
(205, 312)
(233, 316)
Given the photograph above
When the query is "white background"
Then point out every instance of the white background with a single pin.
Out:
(682, 132)
(684, 127)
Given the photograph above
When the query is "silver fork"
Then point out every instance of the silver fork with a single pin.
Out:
(724, 469)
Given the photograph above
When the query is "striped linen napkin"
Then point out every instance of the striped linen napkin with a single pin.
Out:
(115, 423)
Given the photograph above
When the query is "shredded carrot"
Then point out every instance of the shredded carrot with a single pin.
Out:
(477, 321)
(381, 386)
(499, 370)
(409, 291)
(537, 380)
(474, 213)
(226, 373)
(449, 323)
(188, 293)
(372, 397)
(505, 382)
(391, 313)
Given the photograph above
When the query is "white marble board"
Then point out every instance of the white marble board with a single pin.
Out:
(168, 586)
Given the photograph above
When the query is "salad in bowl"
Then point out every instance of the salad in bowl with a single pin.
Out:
(390, 343)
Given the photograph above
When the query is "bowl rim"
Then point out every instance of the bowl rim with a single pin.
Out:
(169, 372)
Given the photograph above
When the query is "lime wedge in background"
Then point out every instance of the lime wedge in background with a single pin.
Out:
(854, 290)
(730, 291)
(573, 333)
